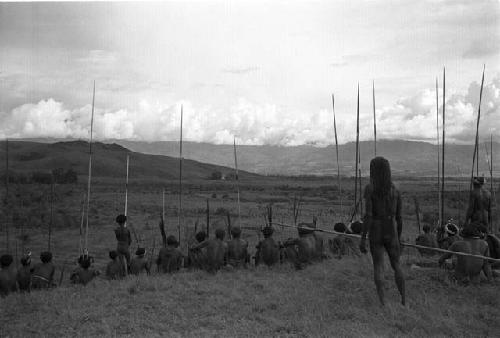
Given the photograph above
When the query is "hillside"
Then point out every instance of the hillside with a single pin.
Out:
(406, 157)
(109, 160)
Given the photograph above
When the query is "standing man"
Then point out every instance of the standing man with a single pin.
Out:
(479, 210)
(383, 224)
(124, 239)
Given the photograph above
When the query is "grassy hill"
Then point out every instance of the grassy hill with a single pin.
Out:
(332, 298)
(109, 160)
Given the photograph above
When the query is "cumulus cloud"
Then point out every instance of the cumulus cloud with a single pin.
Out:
(411, 117)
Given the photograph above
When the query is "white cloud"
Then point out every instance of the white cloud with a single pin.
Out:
(409, 118)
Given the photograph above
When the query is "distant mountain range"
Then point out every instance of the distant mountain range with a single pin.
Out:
(410, 158)
(108, 160)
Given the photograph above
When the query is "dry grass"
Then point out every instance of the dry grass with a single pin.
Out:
(333, 298)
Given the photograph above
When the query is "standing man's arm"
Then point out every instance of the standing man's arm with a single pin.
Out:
(367, 219)
(470, 209)
(399, 219)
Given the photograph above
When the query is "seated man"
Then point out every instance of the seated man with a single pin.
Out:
(300, 251)
(469, 268)
(83, 274)
(139, 263)
(237, 249)
(197, 258)
(426, 239)
(43, 273)
(268, 251)
(24, 274)
(170, 257)
(7, 276)
(450, 236)
(342, 245)
(114, 269)
(216, 251)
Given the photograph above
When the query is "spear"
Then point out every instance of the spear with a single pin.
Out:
(442, 161)
(7, 194)
(491, 179)
(374, 121)
(357, 158)
(163, 204)
(126, 188)
(51, 212)
(90, 172)
(476, 148)
(208, 219)
(337, 153)
(237, 182)
(438, 154)
(80, 248)
(180, 180)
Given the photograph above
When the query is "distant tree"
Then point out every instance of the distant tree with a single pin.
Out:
(41, 177)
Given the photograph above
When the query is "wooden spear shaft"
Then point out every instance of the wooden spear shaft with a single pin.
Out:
(443, 144)
(7, 213)
(180, 180)
(208, 219)
(374, 121)
(237, 182)
(126, 188)
(337, 153)
(357, 158)
(475, 156)
(80, 247)
(90, 172)
(51, 213)
(440, 217)
(402, 243)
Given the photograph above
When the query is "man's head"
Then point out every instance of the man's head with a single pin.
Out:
(339, 227)
(140, 252)
(451, 229)
(113, 254)
(236, 232)
(356, 227)
(200, 236)
(426, 228)
(267, 231)
(478, 181)
(6, 261)
(470, 231)
(85, 262)
(172, 241)
(219, 234)
(121, 219)
(380, 175)
(26, 260)
(46, 257)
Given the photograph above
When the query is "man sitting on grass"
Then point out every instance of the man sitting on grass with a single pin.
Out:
(170, 257)
(216, 251)
(7, 276)
(468, 269)
(43, 273)
(268, 250)
(114, 269)
(24, 274)
(139, 264)
(237, 249)
(83, 274)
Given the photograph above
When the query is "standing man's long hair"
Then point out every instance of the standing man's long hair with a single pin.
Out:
(380, 176)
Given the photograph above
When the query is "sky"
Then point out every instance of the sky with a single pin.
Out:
(262, 72)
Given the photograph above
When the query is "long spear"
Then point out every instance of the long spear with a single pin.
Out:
(458, 253)
(163, 204)
(90, 172)
(491, 180)
(438, 154)
(80, 247)
(237, 181)
(442, 161)
(374, 122)
(180, 181)
(126, 188)
(476, 147)
(337, 153)
(51, 212)
(7, 195)
(357, 159)
(208, 219)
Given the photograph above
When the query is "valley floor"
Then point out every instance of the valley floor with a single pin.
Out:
(332, 298)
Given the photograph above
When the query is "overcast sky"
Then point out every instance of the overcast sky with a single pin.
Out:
(263, 72)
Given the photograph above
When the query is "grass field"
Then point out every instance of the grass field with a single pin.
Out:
(332, 298)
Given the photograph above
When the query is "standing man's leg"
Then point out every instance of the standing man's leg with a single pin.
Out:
(393, 250)
(377, 252)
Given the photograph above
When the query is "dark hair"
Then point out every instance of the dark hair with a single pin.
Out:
(6, 260)
(380, 176)
(85, 262)
(356, 227)
(113, 254)
(236, 232)
(219, 234)
(171, 240)
(426, 228)
(46, 257)
(200, 236)
(121, 219)
(268, 231)
(340, 227)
